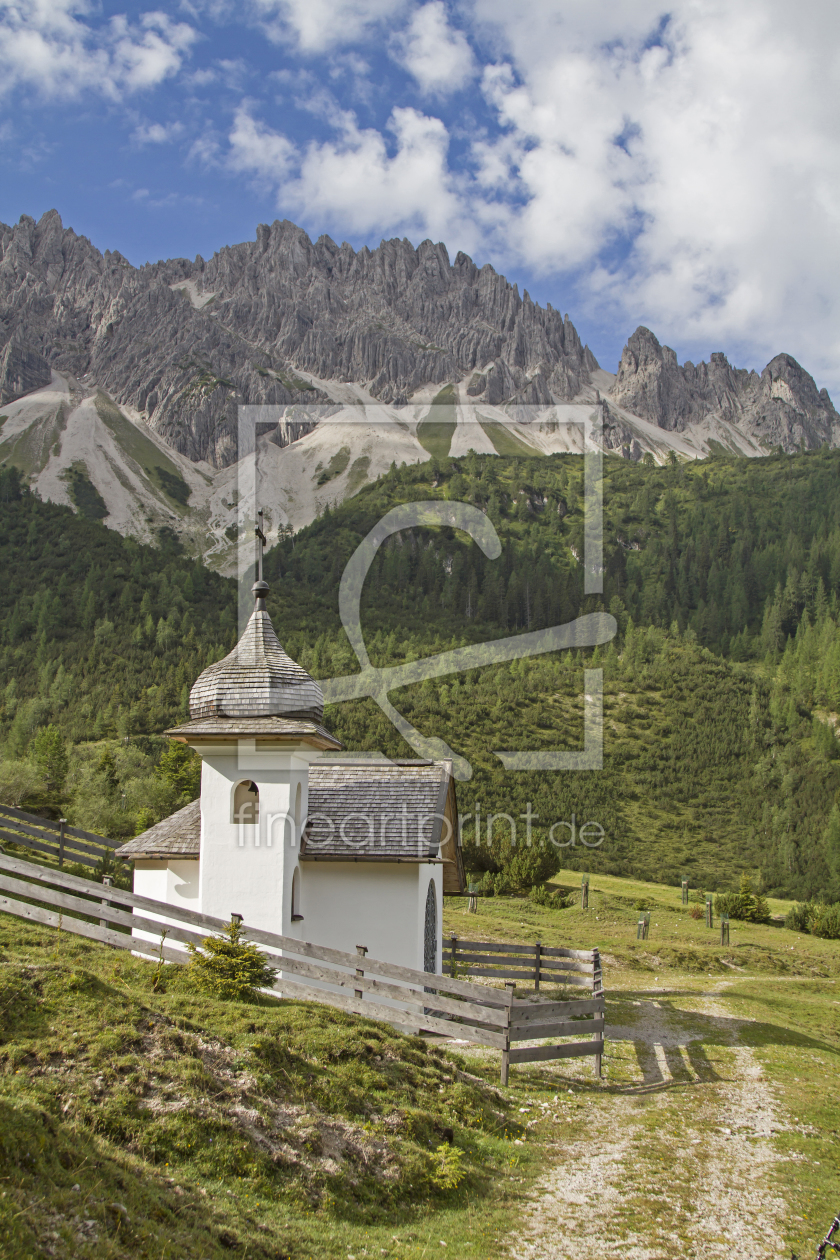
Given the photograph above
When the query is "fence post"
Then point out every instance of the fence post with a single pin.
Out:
(597, 991)
(685, 890)
(724, 929)
(453, 944)
(509, 984)
(107, 881)
(62, 823)
(537, 962)
(361, 950)
(584, 893)
(710, 918)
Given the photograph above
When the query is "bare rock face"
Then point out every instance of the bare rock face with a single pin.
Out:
(781, 407)
(186, 342)
(21, 370)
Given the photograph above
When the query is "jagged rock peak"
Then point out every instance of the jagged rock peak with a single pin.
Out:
(780, 407)
(186, 342)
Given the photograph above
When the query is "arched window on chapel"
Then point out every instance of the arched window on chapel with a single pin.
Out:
(246, 802)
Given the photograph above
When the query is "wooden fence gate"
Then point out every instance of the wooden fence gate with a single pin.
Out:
(538, 1020)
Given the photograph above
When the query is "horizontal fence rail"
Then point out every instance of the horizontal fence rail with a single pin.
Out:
(538, 1020)
(538, 963)
(56, 840)
(415, 1000)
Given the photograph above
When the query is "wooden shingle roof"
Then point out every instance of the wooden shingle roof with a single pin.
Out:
(257, 679)
(384, 812)
(178, 836)
(263, 729)
(374, 812)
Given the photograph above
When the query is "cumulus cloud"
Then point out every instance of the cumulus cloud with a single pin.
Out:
(356, 181)
(52, 47)
(686, 171)
(157, 133)
(315, 25)
(256, 150)
(437, 55)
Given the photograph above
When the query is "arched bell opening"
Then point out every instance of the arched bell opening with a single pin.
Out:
(246, 802)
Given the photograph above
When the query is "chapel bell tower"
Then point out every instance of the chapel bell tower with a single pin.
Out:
(256, 721)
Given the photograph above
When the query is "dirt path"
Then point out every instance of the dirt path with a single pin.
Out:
(672, 1157)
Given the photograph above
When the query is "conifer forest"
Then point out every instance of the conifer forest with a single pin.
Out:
(721, 687)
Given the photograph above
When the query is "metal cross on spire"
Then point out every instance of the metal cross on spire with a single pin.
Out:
(260, 544)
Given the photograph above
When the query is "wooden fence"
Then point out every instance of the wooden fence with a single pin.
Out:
(491, 1017)
(55, 840)
(536, 963)
(537, 1020)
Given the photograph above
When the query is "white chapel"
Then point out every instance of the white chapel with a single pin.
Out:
(292, 834)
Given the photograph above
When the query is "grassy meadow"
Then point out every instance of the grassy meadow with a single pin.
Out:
(138, 1118)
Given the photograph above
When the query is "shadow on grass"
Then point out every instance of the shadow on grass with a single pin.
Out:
(670, 1044)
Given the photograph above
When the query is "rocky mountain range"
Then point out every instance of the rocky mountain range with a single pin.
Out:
(132, 377)
(780, 407)
(184, 342)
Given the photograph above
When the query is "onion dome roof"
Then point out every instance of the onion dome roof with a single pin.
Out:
(257, 679)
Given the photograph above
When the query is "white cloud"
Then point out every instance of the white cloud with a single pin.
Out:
(726, 180)
(315, 25)
(48, 45)
(157, 133)
(434, 53)
(354, 181)
(256, 150)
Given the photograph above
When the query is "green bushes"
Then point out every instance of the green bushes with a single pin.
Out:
(815, 917)
(746, 905)
(824, 921)
(542, 896)
(229, 967)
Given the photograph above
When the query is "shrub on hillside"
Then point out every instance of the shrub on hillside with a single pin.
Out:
(797, 917)
(229, 967)
(746, 905)
(542, 896)
(18, 780)
(728, 903)
(824, 921)
(761, 913)
(746, 901)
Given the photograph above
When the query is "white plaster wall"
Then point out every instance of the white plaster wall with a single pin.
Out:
(377, 904)
(176, 883)
(247, 869)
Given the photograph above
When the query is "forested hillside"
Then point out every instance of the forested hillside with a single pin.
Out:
(720, 690)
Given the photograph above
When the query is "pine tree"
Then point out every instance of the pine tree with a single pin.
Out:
(761, 912)
(49, 753)
(180, 767)
(229, 967)
(746, 900)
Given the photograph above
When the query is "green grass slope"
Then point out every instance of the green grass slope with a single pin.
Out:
(137, 1121)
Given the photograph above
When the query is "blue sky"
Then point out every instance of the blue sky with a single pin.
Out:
(630, 163)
